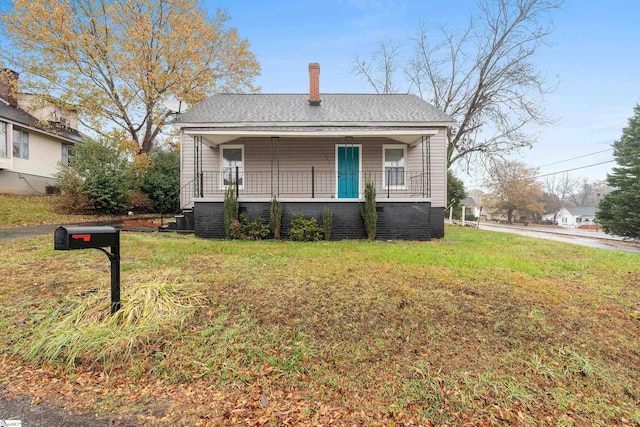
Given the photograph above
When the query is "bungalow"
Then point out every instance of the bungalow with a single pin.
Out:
(33, 139)
(313, 152)
(576, 217)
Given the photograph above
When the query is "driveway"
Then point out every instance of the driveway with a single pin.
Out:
(592, 239)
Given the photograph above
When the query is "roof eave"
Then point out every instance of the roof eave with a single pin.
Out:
(215, 137)
(444, 123)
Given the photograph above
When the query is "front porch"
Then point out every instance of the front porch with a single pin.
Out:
(309, 172)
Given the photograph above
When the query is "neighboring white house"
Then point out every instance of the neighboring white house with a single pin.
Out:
(33, 140)
(575, 217)
(471, 207)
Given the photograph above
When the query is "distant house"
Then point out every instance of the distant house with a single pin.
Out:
(33, 139)
(313, 152)
(575, 217)
(472, 208)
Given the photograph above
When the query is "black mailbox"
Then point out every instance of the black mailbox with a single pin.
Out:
(66, 238)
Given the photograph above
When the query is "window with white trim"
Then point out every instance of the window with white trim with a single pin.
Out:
(20, 144)
(232, 160)
(394, 159)
(4, 152)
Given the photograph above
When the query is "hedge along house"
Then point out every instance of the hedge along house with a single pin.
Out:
(313, 152)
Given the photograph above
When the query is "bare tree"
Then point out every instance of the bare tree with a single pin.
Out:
(558, 190)
(483, 76)
(379, 72)
(583, 193)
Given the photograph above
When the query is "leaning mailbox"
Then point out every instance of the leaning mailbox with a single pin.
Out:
(68, 238)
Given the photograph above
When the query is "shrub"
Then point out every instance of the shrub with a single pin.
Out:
(139, 201)
(253, 230)
(99, 172)
(161, 182)
(275, 218)
(327, 223)
(368, 210)
(304, 230)
(73, 198)
(231, 209)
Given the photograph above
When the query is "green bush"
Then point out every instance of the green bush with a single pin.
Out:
(253, 230)
(275, 218)
(162, 181)
(304, 230)
(231, 210)
(101, 179)
(98, 178)
(368, 210)
(327, 223)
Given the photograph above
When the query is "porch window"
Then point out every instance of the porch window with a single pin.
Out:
(3, 140)
(20, 144)
(232, 158)
(394, 165)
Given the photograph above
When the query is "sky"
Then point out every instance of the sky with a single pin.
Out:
(592, 55)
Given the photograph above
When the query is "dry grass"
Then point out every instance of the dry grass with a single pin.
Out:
(479, 328)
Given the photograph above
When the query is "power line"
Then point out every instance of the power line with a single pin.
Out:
(548, 174)
(575, 158)
(574, 169)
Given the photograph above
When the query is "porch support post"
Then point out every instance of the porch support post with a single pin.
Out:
(237, 182)
(426, 166)
(464, 213)
(275, 147)
(197, 166)
(313, 182)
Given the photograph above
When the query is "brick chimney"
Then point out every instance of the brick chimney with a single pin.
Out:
(314, 84)
(9, 86)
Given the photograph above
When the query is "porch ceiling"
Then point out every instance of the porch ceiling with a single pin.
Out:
(216, 136)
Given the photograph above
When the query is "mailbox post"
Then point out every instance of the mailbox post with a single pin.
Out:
(70, 238)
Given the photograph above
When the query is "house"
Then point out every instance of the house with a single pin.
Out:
(471, 207)
(576, 217)
(34, 138)
(313, 151)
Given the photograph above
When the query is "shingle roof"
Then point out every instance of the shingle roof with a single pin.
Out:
(469, 201)
(582, 211)
(19, 116)
(292, 108)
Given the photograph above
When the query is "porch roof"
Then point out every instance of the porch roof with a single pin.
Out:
(214, 136)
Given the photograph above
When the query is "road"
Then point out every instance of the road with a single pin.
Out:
(592, 239)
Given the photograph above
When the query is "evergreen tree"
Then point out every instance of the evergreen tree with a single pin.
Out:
(455, 192)
(619, 211)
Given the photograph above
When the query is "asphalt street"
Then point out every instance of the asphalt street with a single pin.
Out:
(590, 238)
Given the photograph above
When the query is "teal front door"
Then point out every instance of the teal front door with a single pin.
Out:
(348, 172)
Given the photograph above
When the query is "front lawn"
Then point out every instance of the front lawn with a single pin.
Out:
(480, 328)
(22, 211)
